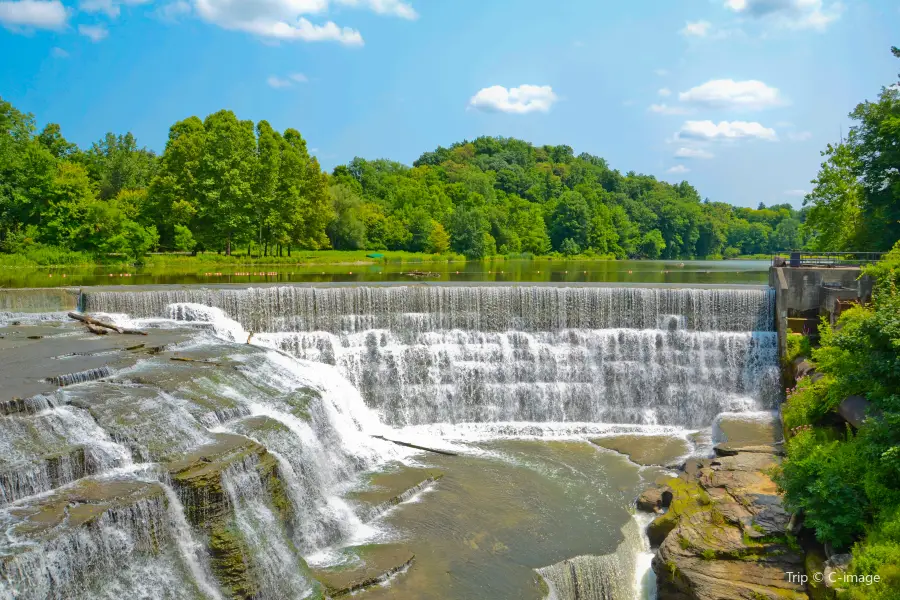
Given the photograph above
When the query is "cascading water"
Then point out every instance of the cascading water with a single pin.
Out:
(424, 355)
(606, 577)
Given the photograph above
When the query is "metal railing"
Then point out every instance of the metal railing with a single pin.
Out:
(826, 259)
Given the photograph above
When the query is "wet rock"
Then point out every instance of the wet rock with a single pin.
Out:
(61, 544)
(388, 489)
(363, 567)
(728, 449)
(803, 368)
(654, 499)
(745, 461)
(198, 477)
(646, 450)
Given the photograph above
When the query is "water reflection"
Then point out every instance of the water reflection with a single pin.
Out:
(508, 271)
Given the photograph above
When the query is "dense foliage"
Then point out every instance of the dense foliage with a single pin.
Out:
(223, 182)
(855, 204)
(847, 483)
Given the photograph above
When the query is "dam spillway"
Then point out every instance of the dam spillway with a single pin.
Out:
(486, 354)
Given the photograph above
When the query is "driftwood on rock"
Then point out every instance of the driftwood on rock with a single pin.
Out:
(88, 320)
(408, 445)
(96, 330)
(194, 360)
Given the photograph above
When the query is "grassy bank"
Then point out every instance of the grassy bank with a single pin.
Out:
(47, 256)
(54, 257)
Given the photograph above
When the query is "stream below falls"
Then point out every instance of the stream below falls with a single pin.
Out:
(242, 448)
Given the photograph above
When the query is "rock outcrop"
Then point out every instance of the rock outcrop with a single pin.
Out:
(726, 534)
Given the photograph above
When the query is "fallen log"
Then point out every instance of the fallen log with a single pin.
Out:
(414, 446)
(194, 360)
(96, 330)
(88, 320)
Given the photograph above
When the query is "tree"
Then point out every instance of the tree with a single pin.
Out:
(468, 230)
(438, 239)
(226, 173)
(346, 231)
(570, 220)
(786, 236)
(835, 219)
(652, 244)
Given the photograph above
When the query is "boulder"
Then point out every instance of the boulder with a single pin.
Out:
(728, 449)
(854, 410)
(654, 499)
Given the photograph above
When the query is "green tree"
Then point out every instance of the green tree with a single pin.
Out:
(347, 231)
(652, 244)
(226, 174)
(468, 230)
(570, 220)
(835, 218)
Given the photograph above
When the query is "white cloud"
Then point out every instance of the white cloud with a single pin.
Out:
(277, 82)
(37, 14)
(731, 94)
(95, 32)
(286, 82)
(60, 53)
(518, 100)
(679, 169)
(690, 153)
(395, 8)
(173, 10)
(796, 193)
(799, 136)
(110, 7)
(285, 20)
(697, 29)
(665, 109)
(665, 92)
(793, 14)
(725, 130)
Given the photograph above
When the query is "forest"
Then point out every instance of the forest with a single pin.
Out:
(223, 184)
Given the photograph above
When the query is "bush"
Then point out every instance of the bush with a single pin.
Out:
(825, 480)
(808, 403)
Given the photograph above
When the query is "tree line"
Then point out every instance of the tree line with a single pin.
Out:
(223, 183)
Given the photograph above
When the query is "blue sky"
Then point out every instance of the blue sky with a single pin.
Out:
(736, 96)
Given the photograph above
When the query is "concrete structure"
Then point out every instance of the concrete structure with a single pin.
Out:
(804, 294)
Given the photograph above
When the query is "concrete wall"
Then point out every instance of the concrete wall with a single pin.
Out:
(804, 294)
(38, 300)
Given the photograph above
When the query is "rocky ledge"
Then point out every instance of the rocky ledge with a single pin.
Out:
(723, 532)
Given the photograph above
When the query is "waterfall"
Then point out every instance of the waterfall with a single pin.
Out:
(277, 569)
(478, 354)
(607, 577)
(80, 376)
(42, 451)
(68, 564)
(415, 309)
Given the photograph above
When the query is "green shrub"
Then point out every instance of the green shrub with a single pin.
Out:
(808, 403)
(826, 480)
